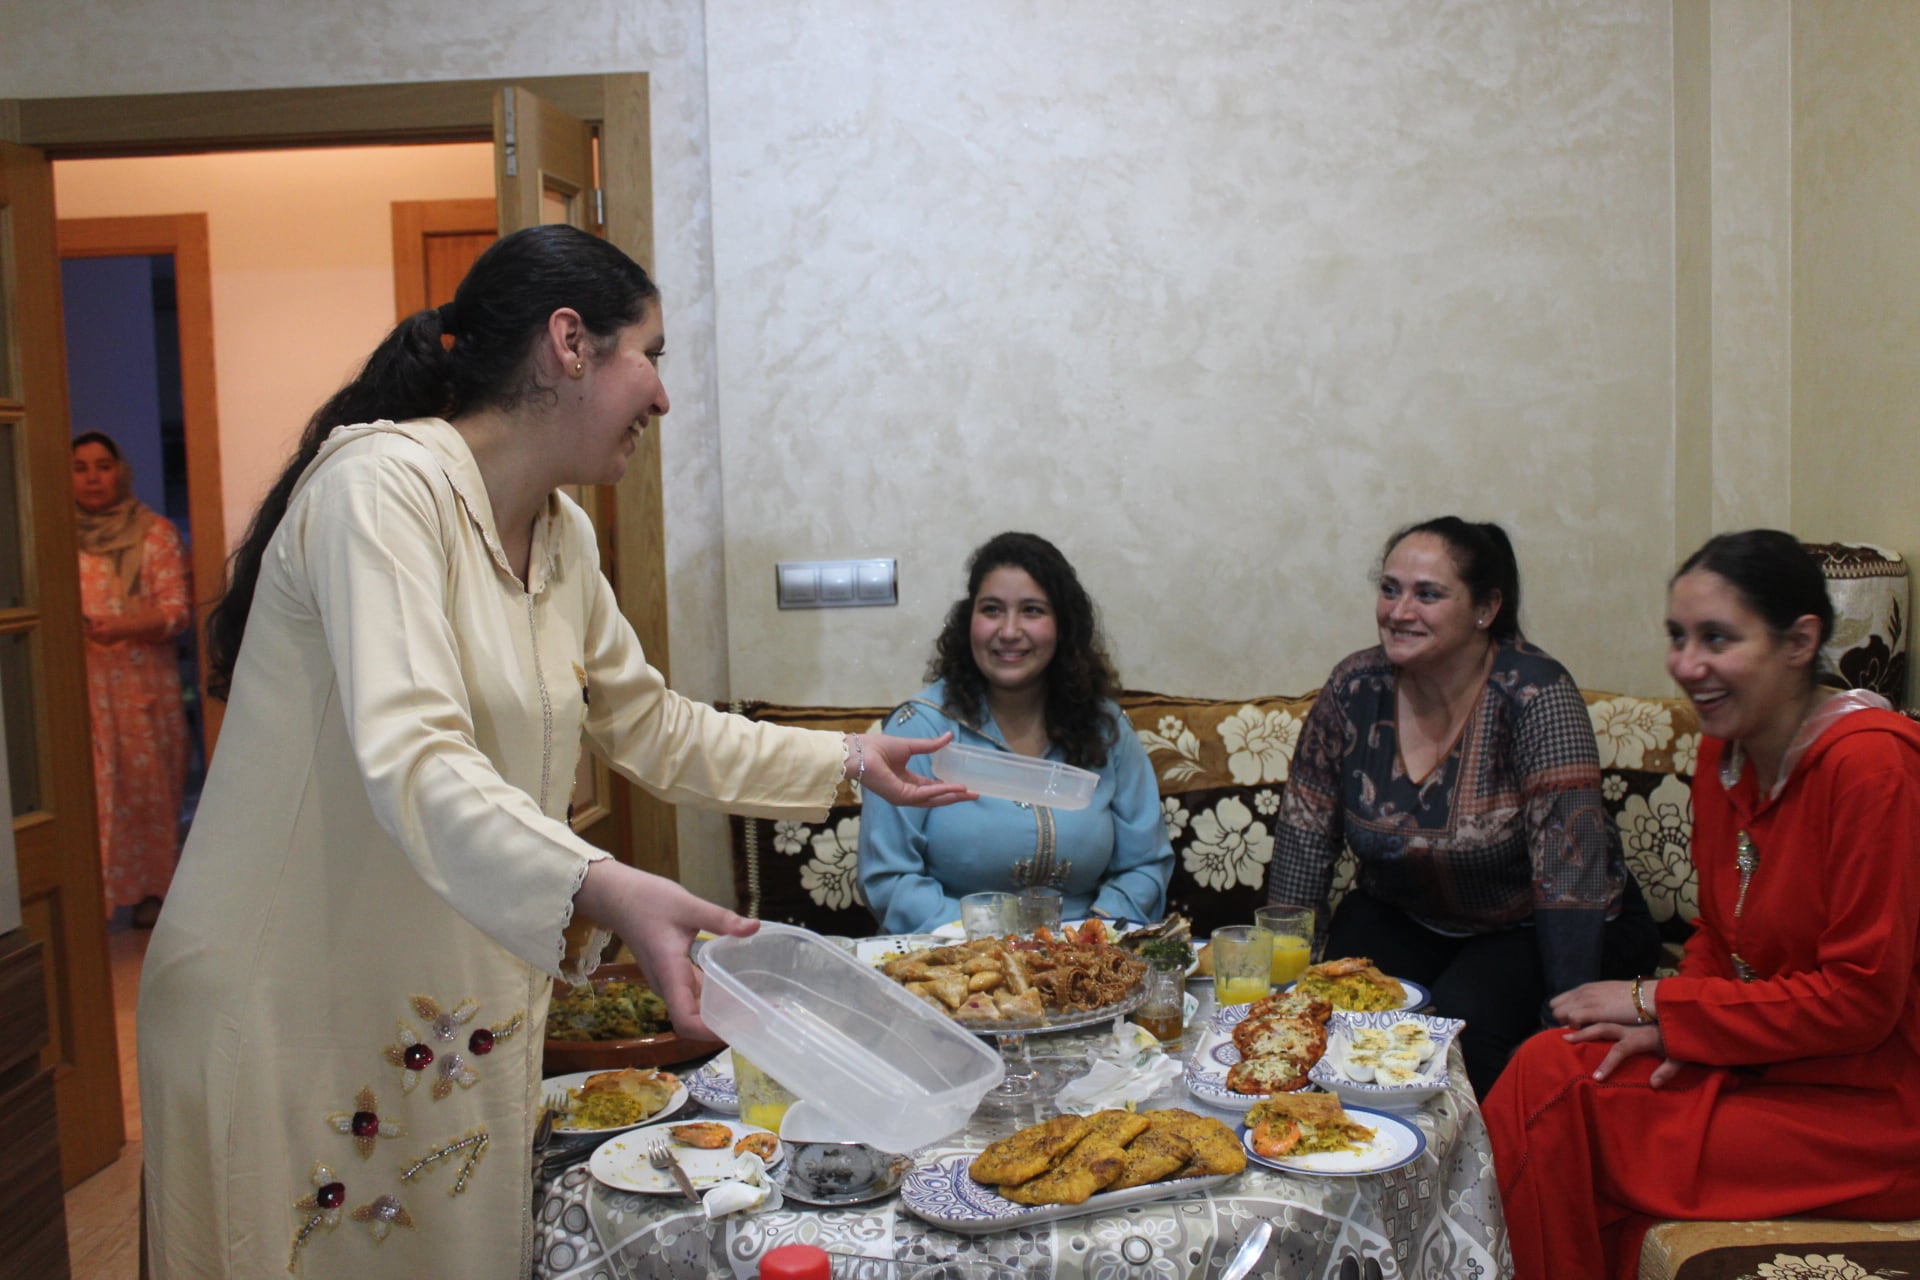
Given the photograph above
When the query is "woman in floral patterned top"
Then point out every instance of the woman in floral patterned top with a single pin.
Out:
(136, 597)
(1458, 762)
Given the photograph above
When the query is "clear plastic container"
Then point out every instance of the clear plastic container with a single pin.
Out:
(1007, 776)
(869, 1062)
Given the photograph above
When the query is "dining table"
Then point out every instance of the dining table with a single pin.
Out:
(1435, 1218)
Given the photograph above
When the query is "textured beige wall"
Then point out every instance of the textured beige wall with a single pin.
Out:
(300, 245)
(1215, 300)
(1751, 172)
(1856, 276)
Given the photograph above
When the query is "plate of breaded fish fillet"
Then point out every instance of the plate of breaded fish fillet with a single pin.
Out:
(1072, 1165)
(1014, 983)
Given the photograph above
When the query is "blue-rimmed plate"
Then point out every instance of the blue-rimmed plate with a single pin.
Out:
(1418, 997)
(1329, 1072)
(712, 1085)
(941, 1192)
(1395, 1143)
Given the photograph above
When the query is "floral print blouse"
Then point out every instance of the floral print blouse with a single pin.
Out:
(1508, 829)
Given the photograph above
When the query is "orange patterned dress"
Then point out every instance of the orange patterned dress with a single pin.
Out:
(139, 722)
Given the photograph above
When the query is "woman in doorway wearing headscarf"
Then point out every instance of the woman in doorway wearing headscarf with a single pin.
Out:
(135, 598)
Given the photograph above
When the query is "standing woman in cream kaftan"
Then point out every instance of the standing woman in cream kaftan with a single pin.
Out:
(342, 1009)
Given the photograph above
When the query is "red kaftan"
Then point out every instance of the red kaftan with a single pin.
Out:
(1807, 1099)
(139, 722)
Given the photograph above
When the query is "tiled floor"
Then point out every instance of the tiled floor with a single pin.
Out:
(103, 1213)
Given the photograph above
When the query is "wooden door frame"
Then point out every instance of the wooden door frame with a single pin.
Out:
(431, 111)
(184, 236)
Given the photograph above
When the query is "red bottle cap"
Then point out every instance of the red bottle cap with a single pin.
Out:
(796, 1262)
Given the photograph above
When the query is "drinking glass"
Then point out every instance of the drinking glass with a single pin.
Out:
(1040, 908)
(1242, 963)
(1292, 930)
(989, 915)
(763, 1100)
(1163, 1012)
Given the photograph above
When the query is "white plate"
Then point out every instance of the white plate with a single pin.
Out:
(1395, 1143)
(558, 1085)
(622, 1162)
(1418, 997)
(712, 1084)
(1391, 1097)
(941, 1192)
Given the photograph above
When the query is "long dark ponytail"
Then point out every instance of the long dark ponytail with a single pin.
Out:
(469, 354)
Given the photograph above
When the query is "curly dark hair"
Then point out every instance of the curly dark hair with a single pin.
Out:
(1079, 681)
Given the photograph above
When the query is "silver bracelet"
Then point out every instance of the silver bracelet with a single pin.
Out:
(857, 757)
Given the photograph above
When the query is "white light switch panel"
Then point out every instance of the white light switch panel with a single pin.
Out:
(834, 584)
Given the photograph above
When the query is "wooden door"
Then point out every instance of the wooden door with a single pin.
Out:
(43, 676)
(544, 173)
(434, 242)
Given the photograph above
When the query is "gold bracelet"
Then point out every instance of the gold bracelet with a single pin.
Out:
(1640, 1013)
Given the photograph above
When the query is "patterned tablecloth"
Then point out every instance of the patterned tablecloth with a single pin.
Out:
(1437, 1218)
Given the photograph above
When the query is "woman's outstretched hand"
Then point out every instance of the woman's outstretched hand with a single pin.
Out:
(888, 777)
(658, 920)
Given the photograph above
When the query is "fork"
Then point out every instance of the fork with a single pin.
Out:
(660, 1156)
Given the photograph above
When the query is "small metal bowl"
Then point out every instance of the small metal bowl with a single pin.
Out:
(838, 1173)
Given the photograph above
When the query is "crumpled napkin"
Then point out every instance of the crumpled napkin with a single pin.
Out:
(747, 1189)
(1128, 1068)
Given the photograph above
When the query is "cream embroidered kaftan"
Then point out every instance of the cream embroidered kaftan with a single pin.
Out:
(380, 870)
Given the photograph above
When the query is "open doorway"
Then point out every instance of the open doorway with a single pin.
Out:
(124, 381)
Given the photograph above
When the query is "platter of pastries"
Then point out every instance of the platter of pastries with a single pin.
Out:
(1025, 984)
(1071, 1165)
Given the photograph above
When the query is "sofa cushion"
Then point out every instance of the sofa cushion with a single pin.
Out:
(1787, 1249)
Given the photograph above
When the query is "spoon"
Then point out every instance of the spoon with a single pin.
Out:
(1242, 1263)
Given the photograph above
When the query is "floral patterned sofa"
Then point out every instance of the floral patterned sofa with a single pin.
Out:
(1223, 766)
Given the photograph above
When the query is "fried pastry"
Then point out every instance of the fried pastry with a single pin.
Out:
(1216, 1148)
(1025, 1007)
(1089, 1167)
(1153, 1155)
(1028, 1153)
(1115, 1125)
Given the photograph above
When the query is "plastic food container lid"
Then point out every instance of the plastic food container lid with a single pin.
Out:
(868, 1061)
(1007, 776)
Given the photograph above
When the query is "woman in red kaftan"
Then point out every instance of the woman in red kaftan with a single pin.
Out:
(1779, 1072)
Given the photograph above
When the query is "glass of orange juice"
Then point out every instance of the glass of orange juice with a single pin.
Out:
(1292, 930)
(763, 1100)
(1242, 963)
